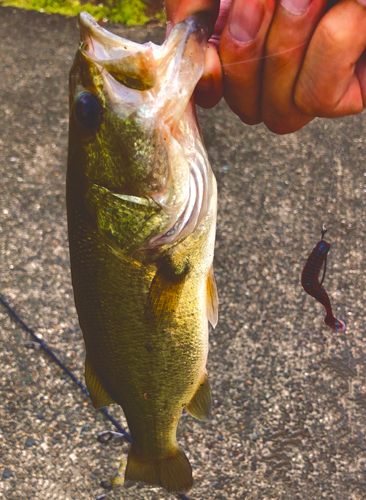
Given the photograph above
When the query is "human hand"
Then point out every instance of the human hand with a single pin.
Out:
(285, 64)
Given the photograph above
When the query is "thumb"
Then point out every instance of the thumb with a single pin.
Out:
(178, 10)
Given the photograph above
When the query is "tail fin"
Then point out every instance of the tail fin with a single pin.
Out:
(173, 472)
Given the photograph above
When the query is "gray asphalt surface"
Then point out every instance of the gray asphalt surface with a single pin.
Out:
(289, 393)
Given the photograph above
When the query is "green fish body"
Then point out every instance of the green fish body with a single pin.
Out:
(141, 203)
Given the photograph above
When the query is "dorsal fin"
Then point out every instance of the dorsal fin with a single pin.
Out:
(212, 299)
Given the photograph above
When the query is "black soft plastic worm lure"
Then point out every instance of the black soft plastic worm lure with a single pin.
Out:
(312, 286)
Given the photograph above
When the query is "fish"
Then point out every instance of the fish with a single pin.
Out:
(141, 207)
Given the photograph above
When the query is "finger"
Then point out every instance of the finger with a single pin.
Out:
(241, 53)
(361, 75)
(178, 10)
(331, 82)
(209, 89)
(221, 21)
(296, 19)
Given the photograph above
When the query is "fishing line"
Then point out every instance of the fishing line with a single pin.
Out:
(329, 196)
(244, 61)
(324, 228)
(39, 342)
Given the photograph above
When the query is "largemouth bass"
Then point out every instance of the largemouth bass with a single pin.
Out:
(141, 203)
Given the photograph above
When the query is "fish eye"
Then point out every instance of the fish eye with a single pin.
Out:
(88, 110)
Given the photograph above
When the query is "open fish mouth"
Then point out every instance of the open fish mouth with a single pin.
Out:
(137, 65)
(153, 86)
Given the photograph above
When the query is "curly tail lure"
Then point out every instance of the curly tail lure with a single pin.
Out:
(312, 286)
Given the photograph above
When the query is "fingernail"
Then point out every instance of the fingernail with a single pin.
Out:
(246, 19)
(296, 7)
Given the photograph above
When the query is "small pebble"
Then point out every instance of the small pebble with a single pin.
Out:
(7, 473)
(30, 442)
(106, 485)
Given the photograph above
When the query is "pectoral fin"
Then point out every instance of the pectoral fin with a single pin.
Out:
(164, 293)
(98, 394)
(212, 299)
(200, 405)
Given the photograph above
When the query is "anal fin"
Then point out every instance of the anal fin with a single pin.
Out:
(200, 405)
(212, 299)
(98, 394)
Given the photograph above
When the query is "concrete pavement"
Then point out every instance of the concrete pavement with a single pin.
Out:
(289, 393)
